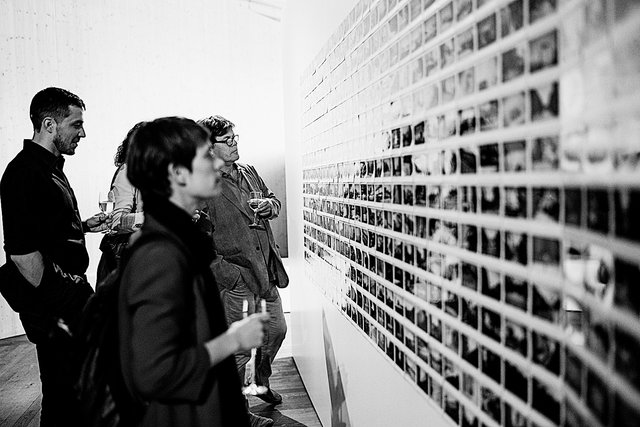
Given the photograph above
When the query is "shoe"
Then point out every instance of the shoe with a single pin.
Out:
(271, 396)
(258, 421)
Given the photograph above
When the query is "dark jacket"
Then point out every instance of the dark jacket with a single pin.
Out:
(240, 253)
(168, 308)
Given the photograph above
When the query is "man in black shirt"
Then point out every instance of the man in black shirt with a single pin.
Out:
(44, 278)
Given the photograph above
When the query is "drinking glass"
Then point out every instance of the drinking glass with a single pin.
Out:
(255, 197)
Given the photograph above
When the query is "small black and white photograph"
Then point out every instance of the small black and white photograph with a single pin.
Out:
(539, 9)
(467, 120)
(436, 393)
(491, 364)
(407, 194)
(626, 357)
(546, 352)
(447, 53)
(422, 320)
(406, 136)
(431, 63)
(487, 73)
(448, 87)
(627, 294)
(436, 360)
(598, 397)
(599, 340)
(446, 17)
(403, 18)
(490, 200)
(431, 96)
(546, 252)
(515, 380)
(573, 371)
(421, 195)
(511, 18)
(418, 133)
(545, 303)
(469, 350)
(451, 337)
(469, 237)
(470, 386)
(546, 204)
(433, 196)
(451, 373)
(543, 52)
(515, 247)
(490, 403)
(469, 311)
(435, 293)
(422, 349)
(399, 359)
(516, 292)
(545, 401)
(491, 284)
(396, 166)
(516, 337)
(435, 328)
(396, 138)
(451, 304)
(416, 39)
(430, 29)
(573, 206)
(468, 199)
(470, 275)
(464, 43)
(515, 159)
(513, 63)
(409, 225)
(468, 418)
(487, 31)
(450, 162)
(544, 102)
(447, 126)
(544, 154)
(423, 379)
(421, 224)
(513, 110)
(491, 324)
(627, 208)
(410, 368)
(468, 160)
(398, 330)
(466, 82)
(515, 202)
(598, 210)
(449, 197)
(463, 9)
(489, 158)
(489, 115)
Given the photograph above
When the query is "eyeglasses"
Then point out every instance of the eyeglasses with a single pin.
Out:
(231, 141)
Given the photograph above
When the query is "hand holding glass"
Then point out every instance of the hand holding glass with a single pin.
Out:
(255, 197)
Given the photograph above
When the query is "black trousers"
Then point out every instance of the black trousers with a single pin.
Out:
(59, 404)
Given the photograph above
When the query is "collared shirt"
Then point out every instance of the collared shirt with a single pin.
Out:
(40, 211)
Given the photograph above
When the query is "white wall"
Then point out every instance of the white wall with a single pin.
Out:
(375, 394)
(138, 60)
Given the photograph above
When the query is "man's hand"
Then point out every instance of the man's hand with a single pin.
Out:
(265, 209)
(97, 223)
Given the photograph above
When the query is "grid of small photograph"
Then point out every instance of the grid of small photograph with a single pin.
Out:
(471, 192)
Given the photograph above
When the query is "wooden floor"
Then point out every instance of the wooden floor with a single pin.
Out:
(20, 389)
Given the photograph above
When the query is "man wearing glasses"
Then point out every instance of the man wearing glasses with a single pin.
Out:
(248, 265)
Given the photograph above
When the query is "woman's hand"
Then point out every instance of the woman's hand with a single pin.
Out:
(249, 332)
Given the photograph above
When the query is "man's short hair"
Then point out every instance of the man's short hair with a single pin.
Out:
(52, 102)
(157, 144)
(217, 125)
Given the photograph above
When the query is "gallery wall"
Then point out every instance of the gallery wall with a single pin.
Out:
(133, 61)
(470, 188)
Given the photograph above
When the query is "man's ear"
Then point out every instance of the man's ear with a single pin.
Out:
(49, 125)
(177, 174)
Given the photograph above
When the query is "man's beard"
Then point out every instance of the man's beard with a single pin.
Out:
(63, 148)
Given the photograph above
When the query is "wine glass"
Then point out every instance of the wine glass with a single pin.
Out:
(255, 197)
(252, 388)
(106, 203)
